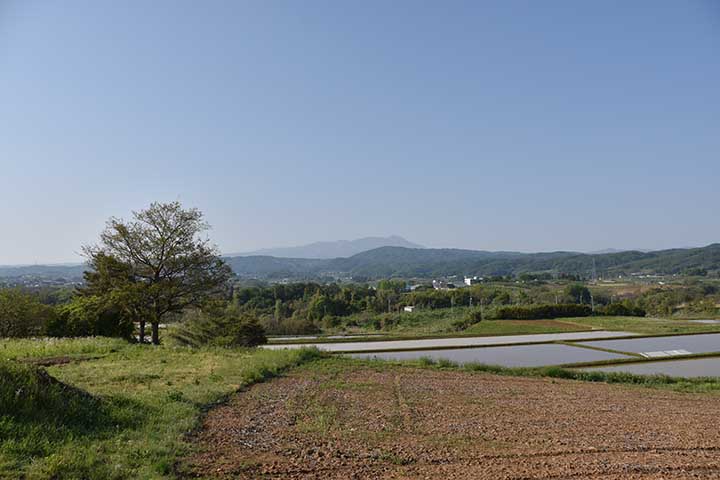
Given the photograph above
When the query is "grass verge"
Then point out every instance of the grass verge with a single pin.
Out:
(679, 384)
(123, 415)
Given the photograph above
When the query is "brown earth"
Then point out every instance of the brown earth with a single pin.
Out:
(339, 420)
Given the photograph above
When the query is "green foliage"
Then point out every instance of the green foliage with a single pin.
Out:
(578, 293)
(91, 316)
(396, 286)
(22, 315)
(158, 264)
(538, 312)
(218, 328)
(470, 318)
(624, 309)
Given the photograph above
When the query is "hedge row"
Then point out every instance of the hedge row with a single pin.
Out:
(538, 312)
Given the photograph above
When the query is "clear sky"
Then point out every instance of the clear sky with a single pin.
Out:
(513, 125)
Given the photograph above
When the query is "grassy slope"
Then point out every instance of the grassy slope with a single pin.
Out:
(644, 325)
(143, 401)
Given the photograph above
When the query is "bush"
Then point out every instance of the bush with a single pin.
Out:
(297, 326)
(620, 310)
(90, 316)
(474, 316)
(22, 315)
(538, 312)
(249, 333)
(221, 329)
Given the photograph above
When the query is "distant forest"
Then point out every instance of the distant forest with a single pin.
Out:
(400, 262)
(388, 262)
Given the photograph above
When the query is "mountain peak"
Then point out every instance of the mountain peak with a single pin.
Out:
(334, 249)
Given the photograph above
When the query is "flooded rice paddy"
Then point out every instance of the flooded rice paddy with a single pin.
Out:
(704, 343)
(455, 342)
(700, 367)
(513, 356)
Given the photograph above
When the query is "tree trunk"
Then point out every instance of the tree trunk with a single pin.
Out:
(155, 335)
(142, 331)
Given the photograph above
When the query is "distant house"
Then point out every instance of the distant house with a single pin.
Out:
(409, 308)
(472, 280)
(443, 285)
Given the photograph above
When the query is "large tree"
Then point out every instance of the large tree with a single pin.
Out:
(156, 264)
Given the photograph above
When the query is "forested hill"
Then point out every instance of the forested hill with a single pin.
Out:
(385, 262)
(411, 262)
(69, 272)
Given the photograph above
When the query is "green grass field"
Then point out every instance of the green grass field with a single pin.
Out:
(116, 411)
(645, 325)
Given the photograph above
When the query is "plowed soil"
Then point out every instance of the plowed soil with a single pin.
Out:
(340, 420)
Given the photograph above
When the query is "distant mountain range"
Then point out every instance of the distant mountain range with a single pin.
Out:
(336, 249)
(400, 261)
(66, 271)
(386, 262)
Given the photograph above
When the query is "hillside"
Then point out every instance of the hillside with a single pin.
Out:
(386, 262)
(74, 271)
(409, 262)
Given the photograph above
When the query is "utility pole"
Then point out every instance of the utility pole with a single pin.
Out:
(592, 302)
(481, 309)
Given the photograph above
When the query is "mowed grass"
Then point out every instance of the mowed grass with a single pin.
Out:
(56, 347)
(120, 416)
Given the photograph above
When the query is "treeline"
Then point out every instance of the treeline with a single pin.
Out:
(25, 315)
(537, 312)
(301, 308)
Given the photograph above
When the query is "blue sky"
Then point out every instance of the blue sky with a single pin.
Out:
(513, 125)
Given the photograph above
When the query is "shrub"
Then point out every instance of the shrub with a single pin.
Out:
(90, 316)
(249, 333)
(620, 310)
(221, 329)
(297, 326)
(22, 315)
(538, 312)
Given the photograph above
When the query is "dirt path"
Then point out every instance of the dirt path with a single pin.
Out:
(331, 421)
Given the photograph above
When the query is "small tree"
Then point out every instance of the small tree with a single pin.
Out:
(157, 264)
(578, 292)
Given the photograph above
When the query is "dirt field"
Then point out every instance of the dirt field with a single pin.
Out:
(335, 421)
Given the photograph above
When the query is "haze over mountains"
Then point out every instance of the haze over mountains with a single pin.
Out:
(386, 262)
(383, 257)
(333, 249)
